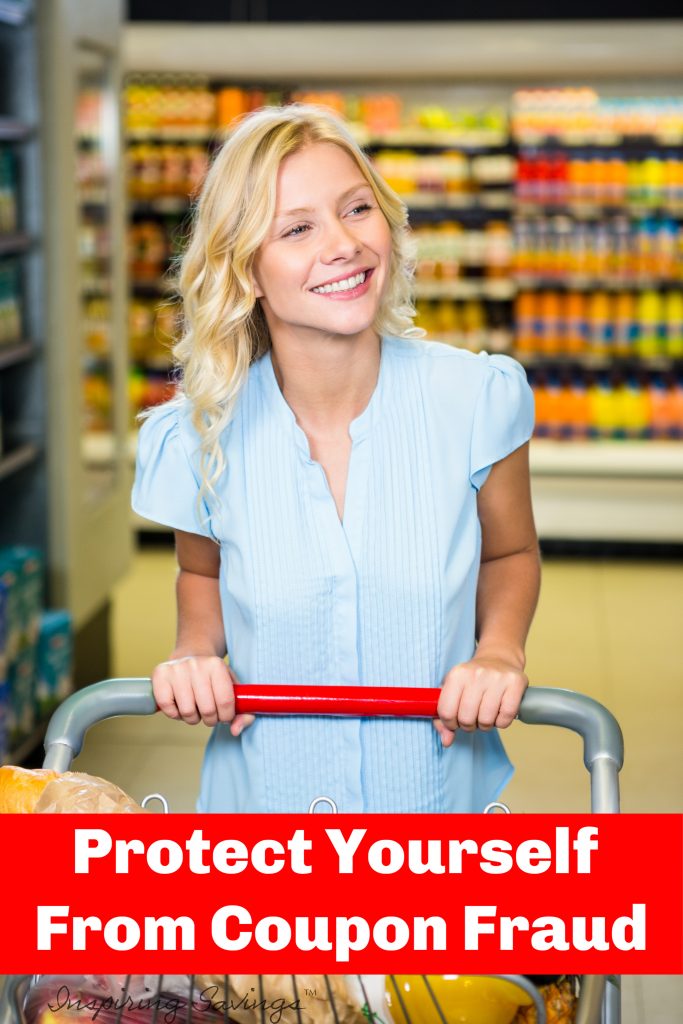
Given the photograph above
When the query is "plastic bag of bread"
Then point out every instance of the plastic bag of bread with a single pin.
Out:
(297, 999)
(43, 791)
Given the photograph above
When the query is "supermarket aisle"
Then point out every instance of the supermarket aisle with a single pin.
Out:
(610, 629)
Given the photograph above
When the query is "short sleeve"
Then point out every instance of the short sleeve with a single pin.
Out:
(166, 484)
(503, 417)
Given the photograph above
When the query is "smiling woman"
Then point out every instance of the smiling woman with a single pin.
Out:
(351, 503)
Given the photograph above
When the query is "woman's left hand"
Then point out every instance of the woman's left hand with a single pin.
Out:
(479, 694)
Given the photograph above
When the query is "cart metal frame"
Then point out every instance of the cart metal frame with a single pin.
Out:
(603, 756)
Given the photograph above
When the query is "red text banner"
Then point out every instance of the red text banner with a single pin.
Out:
(283, 894)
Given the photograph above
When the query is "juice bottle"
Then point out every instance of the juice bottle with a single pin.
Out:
(574, 319)
(673, 319)
(522, 258)
(649, 317)
(550, 317)
(498, 249)
(604, 409)
(541, 402)
(559, 179)
(635, 188)
(562, 248)
(653, 180)
(644, 249)
(581, 248)
(581, 185)
(596, 185)
(544, 246)
(449, 241)
(580, 408)
(543, 192)
(601, 251)
(523, 179)
(553, 410)
(565, 408)
(474, 324)
(621, 247)
(671, 178)
(616, 172)
(625, 326)
(525, 322)
(600, 326)
(447, 322)
(665, 254)
(633, 410)
(424, 316)
(659, 422)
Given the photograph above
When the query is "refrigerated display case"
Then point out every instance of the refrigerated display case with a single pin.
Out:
(565, 251)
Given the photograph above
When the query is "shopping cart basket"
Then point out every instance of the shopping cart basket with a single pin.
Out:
(599, 999)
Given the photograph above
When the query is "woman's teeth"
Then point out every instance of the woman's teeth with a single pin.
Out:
(342, 286)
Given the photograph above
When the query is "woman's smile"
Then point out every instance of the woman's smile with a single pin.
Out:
(347, 287)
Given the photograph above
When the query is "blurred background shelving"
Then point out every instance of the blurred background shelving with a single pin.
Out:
(548, 224)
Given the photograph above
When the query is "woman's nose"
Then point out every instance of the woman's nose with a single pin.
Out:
(339, 242)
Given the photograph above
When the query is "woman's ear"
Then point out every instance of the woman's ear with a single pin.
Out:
(258, 290)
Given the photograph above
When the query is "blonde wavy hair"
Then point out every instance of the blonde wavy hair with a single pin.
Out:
(224, 328)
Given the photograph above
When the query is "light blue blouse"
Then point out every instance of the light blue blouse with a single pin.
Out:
(386, 597)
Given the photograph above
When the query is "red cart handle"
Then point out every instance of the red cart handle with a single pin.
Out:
(397, 701)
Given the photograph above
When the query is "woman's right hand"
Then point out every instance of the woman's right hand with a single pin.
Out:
(198, 688)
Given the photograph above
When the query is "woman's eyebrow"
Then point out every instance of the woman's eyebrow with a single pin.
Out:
(308, 209)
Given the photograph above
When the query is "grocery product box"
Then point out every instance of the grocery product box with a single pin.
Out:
(22, 705)
(54, 663)
(11, 617)
(21, 584)
(29, 567)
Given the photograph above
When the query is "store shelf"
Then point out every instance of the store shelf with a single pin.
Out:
(608, 140)
(661, 460)
(153, 289)
(500, 290)
(12, 130)
(582, 283)
(597, 361)
(172, 133)
(159, 205)
(596, 211)
(442, 201)
(17, 242)
(427, 138)
(17, 352)
(15, 460)
(98, 448)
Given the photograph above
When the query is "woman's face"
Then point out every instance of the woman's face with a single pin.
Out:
(325, 261)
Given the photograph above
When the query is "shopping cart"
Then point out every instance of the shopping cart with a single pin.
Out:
(599, 997)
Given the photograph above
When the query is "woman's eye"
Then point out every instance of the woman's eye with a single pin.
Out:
(362, 207)
(298, 229)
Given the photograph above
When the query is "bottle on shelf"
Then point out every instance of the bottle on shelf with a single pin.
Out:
(650, 316)
(673, 318)
(600, 323)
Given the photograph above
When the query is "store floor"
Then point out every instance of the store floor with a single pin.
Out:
(610, 629)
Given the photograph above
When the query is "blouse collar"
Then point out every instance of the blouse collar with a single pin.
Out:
(358, 428)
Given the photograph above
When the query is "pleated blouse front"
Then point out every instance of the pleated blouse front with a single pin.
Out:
(385, 596)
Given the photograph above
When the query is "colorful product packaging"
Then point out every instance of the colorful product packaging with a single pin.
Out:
(54, 667)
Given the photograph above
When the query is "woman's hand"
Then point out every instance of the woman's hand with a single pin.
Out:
(479, 694)
(198, 688)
